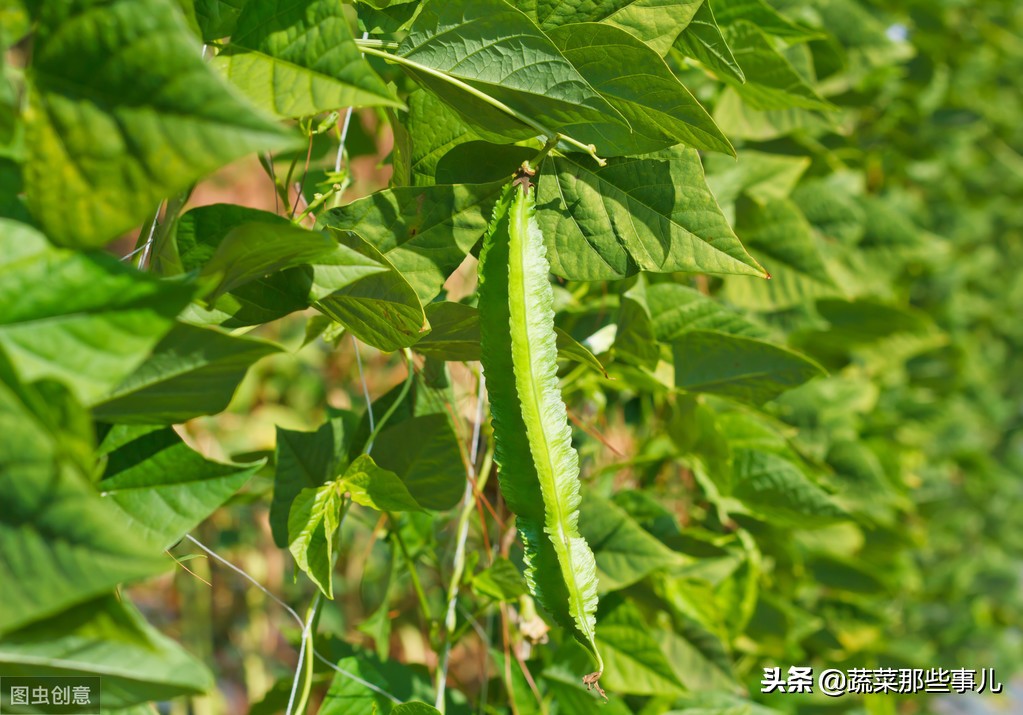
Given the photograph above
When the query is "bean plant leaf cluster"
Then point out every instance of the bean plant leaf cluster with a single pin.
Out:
(536, 357)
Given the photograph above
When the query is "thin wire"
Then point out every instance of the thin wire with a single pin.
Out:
(356, 678)
(365, 393)
(298, 619)
(133, 253)
(344, 128)
(301, 658)
(243, 574)
(144, 260)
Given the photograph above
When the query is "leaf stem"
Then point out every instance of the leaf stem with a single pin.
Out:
(492, 101)
(458, 566)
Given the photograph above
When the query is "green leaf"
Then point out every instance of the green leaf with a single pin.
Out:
(718, 704)
(381, 309)
(501, 53)
(777, 490)
(571, 349)
(122, 105)
(702, 40)
(500, 581)
(659, 108)
(59, 304)
(109, 638)
(218, 18)
(228, 232)
(625, 552)
(781, 236)
(164, 487)
(253, 250)
(634, 338)
(454, 332)
(762, 177)
(653, 213)
(376, 488)
(298, 57)
(655, 23)
(192, 372)
(306, 460)
(415, 708)
(425, 232)
(739, 120)
(634, 660)
(771, 80)
(765, 17)
(539, 468)
(741, 368)
(313, 522)
(676, 309)
(424, 452)
(346, 696)
(60, 542)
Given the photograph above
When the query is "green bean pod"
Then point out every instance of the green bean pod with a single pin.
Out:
(538, 467)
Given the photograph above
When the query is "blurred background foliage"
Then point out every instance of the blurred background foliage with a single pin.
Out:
(909, 191)
(867, 518)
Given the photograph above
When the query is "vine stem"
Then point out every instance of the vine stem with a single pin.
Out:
(496, 103)
(468, 505)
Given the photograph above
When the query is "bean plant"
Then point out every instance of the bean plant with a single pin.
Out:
(553, 357)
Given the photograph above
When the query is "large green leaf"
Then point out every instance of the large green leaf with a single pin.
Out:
(225, 238)
(313, 522)
(625, 552)
(498, 51)
(434, 146)
(781, 236)
(305, 460)
(425, 232)
(423, 451)
(192, 372)
(740, 120)
(636, 665)
(381, 309)
(702, 40)
(164, 487)
(59, 304)
(377, 488)
(655, 22)
(415, 708)
(742, 368)
(109, 638)
(769, 20)
(652, 212)
(675, 309)
(634, 337)
(253, 250)
(122, 105)
(758, 175)
(454, 332)
(298, 58)
(218, 18)
(777, 490)
(772, 82)
(500, 581)
(60, 542)
(659, 108)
